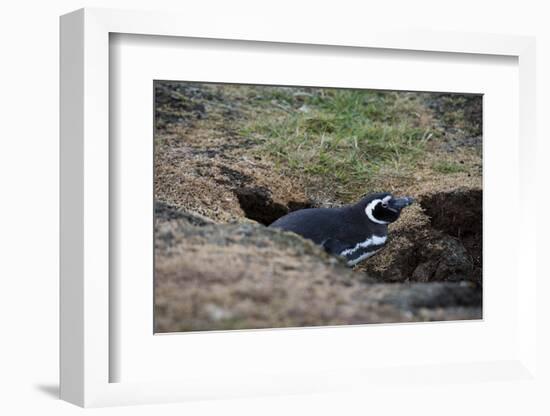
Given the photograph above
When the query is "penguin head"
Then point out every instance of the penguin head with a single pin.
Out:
(384, 208)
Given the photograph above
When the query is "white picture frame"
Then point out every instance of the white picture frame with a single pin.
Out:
(86, 356)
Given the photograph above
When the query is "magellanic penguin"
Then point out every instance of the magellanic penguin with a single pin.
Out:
(355, 232)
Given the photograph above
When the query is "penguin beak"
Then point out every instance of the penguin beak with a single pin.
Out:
(400, 203)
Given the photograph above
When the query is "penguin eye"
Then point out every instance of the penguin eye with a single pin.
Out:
(384, 204)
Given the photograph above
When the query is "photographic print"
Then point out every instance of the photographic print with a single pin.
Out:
(291, 206)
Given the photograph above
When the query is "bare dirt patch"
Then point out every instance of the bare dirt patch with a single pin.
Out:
(234, 276)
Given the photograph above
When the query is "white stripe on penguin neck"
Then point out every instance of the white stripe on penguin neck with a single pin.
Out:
(370, 207)
(375, 240)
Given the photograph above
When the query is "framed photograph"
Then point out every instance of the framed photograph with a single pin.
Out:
(271, 212)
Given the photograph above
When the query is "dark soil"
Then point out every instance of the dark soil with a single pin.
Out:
(459, 214)
(258, 205)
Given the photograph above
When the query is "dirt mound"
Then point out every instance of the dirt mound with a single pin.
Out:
(439, 240)
(234, 276)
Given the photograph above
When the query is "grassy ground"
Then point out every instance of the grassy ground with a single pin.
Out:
(350, 141)
(346, 137)
(359, 141)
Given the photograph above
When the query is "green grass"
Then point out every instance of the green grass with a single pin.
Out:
(448, 167)
(344, 135)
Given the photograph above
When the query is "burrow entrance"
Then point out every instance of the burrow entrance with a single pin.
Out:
(258, 205)
(460, 215)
